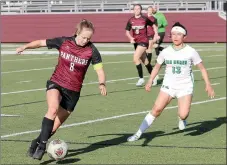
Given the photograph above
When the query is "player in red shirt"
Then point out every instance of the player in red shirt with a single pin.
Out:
(63, 89)
(152, 34)
(138, 24)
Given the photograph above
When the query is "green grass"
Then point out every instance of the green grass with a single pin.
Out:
(104, 142)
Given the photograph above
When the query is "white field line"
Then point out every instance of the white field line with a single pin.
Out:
(215, 56)
(6, 115)
(108, 118)
(115, 45)
(215, 84)
(90, 83)
(24, 81)
(48, 52)
(48, 68)
(55, 57)
(10, 52)
(211, 84)
(28, 59)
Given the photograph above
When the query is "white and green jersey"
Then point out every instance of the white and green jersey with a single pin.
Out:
(178, 71)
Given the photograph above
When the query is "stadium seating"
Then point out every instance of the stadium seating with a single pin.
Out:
(47, 6)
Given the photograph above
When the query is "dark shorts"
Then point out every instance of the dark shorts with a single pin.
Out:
(150, 37)
(162, 35)
(69, 97)
(143, 44)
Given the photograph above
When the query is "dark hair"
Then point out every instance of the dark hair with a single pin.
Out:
(138, 5)
(84, 24)
(179, 24)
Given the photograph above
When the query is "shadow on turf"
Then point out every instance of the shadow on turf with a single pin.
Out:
(202, 127)
(121, 140)
(103, 144)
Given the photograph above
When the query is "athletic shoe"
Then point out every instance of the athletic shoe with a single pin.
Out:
(40, 151)
(133, 138)
(140, 82)
(182, 124)
(32, 148)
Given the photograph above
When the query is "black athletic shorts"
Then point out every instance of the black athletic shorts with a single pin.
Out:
(69, 97)
(144, 44)
(150, 37)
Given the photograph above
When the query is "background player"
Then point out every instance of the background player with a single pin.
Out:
(162, 24)
(138, 23)
(178, 80)
(64, 86)
(152, 33)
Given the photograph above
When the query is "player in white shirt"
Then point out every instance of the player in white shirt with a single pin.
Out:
(178, 80)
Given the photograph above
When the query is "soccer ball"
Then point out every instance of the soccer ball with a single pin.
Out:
(57, 149)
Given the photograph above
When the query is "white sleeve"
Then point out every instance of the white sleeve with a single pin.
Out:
(196, 57)
(161, 58)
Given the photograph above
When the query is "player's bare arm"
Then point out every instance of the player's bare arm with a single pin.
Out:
(102, 81)
(154, 73)
(31, 45)
(155, 28)
(205, 76)
(129, 36)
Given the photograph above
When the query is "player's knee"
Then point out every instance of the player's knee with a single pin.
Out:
(136, 60)
(52, 112)
(156, 111)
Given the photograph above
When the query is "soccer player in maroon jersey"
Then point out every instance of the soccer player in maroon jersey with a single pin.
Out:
(152, 33)
(138, 24)
(64, 86)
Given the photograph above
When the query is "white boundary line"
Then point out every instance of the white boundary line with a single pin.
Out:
(104, 52)
(27, 81)
(215, 84)
(113, 62)
(108, 118)
(48, 68)
(124, 44)
(124, 79)
(7, 115)
(56, 57)
(28, 59)
(51, 52)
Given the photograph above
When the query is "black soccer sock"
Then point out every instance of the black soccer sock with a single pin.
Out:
(38, 138)
(52, 133)
(149, 68)
(47, 126)
(140, 70)
(157, 51)
(160, 49)
(149, 57)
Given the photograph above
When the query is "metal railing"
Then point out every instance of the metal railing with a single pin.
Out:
(78, 6)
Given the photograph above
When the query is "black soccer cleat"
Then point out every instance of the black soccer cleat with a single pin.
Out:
(32, 148)
(39, 152)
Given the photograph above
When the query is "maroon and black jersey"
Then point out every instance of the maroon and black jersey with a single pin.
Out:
(139, 28)
(150, 30)
(73, 61)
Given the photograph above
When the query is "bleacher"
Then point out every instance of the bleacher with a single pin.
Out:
(77, 6)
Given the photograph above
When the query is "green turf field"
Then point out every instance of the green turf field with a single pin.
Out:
(98, 129)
